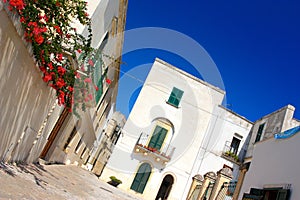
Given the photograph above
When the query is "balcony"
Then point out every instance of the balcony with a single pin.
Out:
(230, 153)
(162, 156)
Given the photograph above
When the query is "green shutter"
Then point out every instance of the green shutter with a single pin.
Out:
(158, 137)
(175, 96)
(100, 90)
(161, 138)
(141, 178)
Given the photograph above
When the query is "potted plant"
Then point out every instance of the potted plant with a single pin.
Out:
(114, 181)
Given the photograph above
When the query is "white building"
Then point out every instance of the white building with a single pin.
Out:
(270, 168)
(32, 125)
(176, 129)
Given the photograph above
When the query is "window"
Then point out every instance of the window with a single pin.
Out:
(175, 97)
(158, 137)
(141, 178)
(259, 132)
(234, 146)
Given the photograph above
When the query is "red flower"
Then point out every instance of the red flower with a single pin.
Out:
(18, 4)
(43, 17)
(88, 80)
(68, 36)
(96, 87)
(108, 81)
(91, 62)
(43, 69)
(50, 66)
(61, 97)
(39, 39)
(77, 75)
(90, 96)
(43, 29)
(70, 89)
(58, 30)
(47, 77)
(60, 83)
(59, 57)
(61, 70)
(22, 20)
(34, 24)
(79, 50)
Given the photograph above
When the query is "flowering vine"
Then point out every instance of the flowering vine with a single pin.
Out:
(49, 27)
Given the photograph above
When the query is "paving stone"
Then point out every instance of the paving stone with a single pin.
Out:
(55, 182)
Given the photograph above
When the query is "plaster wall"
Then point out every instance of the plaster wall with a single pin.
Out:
(276, 122)
(274, 163)
(25, 99)
(199, 131)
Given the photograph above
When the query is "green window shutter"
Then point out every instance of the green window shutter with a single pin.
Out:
(141, 178)
(100, 90)
(175, 97)
(154, 137)
(161, 138)
(158, 137)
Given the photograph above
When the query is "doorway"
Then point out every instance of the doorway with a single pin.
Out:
(165, 188)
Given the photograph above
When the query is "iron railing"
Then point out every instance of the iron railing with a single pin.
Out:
(166, 150)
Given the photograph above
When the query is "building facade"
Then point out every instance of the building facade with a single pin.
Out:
(176, 130)
(269, 169)
(33, 126)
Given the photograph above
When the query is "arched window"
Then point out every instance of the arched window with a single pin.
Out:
(141, 178)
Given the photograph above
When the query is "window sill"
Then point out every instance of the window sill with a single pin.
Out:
(172, 104)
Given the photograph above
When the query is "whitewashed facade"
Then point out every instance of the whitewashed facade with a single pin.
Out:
(193, 130)
(270, 168)
(32, 125)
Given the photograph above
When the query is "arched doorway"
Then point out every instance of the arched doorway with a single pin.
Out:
(141, 178)
(165, 188)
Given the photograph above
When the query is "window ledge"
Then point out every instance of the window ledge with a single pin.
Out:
(172, 104)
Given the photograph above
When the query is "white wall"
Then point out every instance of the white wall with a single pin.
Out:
(25, 99)
(275, 162)
(194, 123)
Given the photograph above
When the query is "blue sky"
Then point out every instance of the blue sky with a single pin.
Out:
(254, 44)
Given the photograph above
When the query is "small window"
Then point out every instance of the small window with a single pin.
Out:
(175, 97)
(259, 132)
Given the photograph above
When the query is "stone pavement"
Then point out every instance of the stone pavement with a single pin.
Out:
(36, 181)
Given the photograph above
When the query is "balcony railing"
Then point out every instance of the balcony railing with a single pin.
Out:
(230, 153)
(162, 155)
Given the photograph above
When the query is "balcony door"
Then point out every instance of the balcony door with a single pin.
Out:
(158, 137)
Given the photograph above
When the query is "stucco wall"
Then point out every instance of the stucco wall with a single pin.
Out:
(275, 122)
(194, 129)
(25, 99)
(275, 162)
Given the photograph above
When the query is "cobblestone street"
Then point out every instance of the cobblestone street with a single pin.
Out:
(54, 182)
